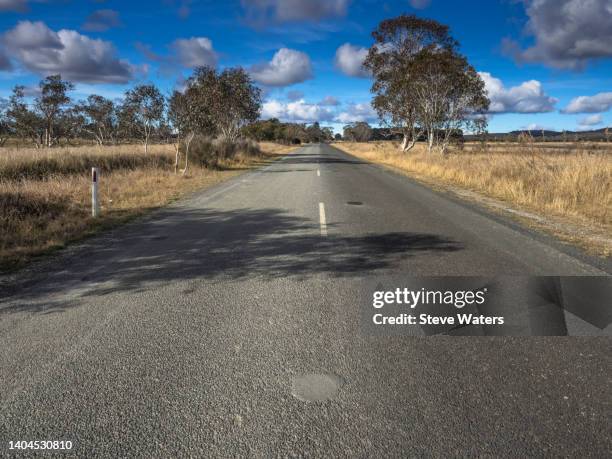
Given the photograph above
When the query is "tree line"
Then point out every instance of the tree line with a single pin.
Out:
(423, 88)
(273, 130)
(213, 103)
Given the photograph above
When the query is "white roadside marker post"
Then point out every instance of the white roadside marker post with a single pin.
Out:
(95, 206)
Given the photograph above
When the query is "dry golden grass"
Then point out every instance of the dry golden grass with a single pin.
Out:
(575, 186)
(271, 148)
(38, 164)
(45, 199)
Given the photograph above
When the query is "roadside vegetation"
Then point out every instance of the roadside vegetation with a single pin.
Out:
(45, 195)
(573, 188)
(150, 150)
(427, 96)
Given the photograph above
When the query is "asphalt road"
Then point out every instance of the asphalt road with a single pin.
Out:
(208, 329)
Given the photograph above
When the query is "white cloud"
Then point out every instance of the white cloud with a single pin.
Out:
(77, 57)
(195, 52)
(590, 121)
(598, 103)
(27, 35)
(357, 112)
(567, 33)
(294, 10)
(349, 59)
(299, 111)
(528, 97)
(287, 67)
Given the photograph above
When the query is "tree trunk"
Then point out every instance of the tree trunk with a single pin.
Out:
(187, 144)
(176, 158)
(430, 140)
(408, 145)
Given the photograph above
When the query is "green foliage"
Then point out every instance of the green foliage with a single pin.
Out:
(273, 130)
(221, 103)
(358, 132)
(421, 82)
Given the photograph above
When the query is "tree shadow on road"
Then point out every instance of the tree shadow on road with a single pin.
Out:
(307, 158)
(212, 245)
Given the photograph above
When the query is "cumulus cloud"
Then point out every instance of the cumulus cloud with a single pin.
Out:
(420, 4)
(356, 113)
(294, 10)
(287, 67)
(528, 97)
(101, 21)
(30, 36)
(568, 33)
(349, 59)
(590, 121)
(186, 52)
(299, 111)
(598, 103)
(195, 52)
(77, 57)
(18, 6)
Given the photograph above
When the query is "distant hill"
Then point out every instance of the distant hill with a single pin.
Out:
(598, 135)
(549, 136)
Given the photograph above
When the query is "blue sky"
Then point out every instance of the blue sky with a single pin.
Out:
(546, 63)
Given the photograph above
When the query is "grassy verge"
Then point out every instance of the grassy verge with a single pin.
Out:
(573, 189)
(45, 194)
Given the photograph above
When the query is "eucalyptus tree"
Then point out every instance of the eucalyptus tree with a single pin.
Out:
(142, 112)
(187, 119)
(391, 63)
(51, 102)
(99, 118)
(229, 98)
(449, 95)
(25, 122)
(421, 83)
(358, 132)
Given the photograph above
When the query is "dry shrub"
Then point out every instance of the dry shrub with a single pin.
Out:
(212, 153)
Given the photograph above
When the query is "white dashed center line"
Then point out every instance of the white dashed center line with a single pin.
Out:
(323, 223)
(318, 172)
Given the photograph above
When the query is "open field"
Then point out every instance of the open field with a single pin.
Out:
(45, 193)
(569, 184)
(531, 146)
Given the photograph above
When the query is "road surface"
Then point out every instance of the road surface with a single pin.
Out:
(228, 325)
